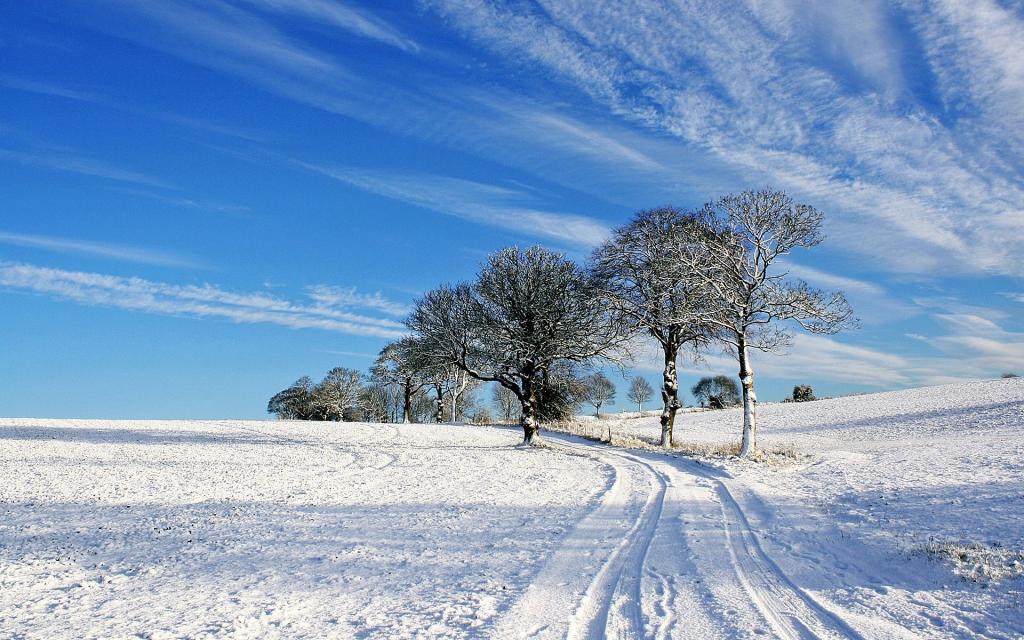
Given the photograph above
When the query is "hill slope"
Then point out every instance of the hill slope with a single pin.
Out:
(310, 530)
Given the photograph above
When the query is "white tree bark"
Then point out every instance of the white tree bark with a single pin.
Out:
(749, 444)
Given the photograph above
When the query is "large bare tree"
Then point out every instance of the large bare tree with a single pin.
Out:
(395, 366)
(758, 303)
(526, 312)
(648, 271)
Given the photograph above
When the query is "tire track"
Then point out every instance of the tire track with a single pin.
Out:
(591, 583)
(792, 613)
(617, 588)
(611, 605)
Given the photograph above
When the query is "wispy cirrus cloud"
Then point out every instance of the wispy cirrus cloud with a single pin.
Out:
(51, 88)
(228, 38)
(197, 301)
(488, 204)
(814, 357)
(788, 92)
(352, 20)
(743, 81)
(62, 161)
(331, 296)
(821, 278)
(47, 88)
(99, 249)
(187, 202)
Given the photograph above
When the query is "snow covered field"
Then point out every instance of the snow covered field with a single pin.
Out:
(263, 529)
(272, 529)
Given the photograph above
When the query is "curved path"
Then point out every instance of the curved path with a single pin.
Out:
(667, 552)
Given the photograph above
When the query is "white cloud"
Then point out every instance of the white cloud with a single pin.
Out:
(903, 186)
(698, 98)
(80, 165)
(488, 204)
(183, 201)
(972, 347)
(809, 357)
(354, 21)
(979, 345)
(103, 250)
(222, 36)
(331, 296)
(200, 301)
(824, 279)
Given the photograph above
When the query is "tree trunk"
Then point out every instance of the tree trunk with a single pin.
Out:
(439, 414)
(456, 391)
(669, 396)
(407, 406)
(749, 444)
(529, 419)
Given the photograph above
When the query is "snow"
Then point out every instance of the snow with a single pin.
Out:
(311, 530)
(263, 530)
(879, 479)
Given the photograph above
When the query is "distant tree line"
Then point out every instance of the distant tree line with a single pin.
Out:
(532, 320)
(392, 391)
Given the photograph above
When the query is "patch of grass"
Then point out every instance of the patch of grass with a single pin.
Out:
(594, 430)
(590, 429)
(976, 562)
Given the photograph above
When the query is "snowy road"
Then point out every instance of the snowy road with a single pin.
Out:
(667, 553)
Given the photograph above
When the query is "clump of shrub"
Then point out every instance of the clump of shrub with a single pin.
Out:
(481, 416)
(975, 562)
(803, 393)
(717, 392)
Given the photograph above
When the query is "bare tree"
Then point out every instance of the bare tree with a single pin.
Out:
(337, 393)
(458, 384)
(561, 392)
(759, 305)
(640, 391)
(505, 401)
(376, 400)
(460, 392)
(647, 270)
(434, 374)
(526, 312)
(395, 366)
(598, 391)
(295, 402)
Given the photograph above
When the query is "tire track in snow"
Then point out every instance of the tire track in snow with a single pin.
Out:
(345, 450)
(617, 587)
(598, 564)
(609, 601)
(791, 612)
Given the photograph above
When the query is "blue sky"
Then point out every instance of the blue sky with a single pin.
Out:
(202, 201)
